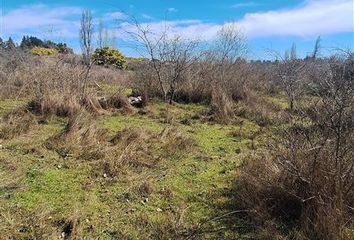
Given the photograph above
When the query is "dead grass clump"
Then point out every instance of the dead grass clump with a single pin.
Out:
(81, 137)
(92, 104)
(260, 111)
(145, 188)
(261, 190)
(119, 101)
(221, 107)
(172, 224)
(54, 105)
(65, 105)
(176, 143)
(132, 148)
(16, 123)
(136, 149)
(126, 136)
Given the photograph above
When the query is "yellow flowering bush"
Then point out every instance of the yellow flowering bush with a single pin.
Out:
(109, 57)
(40, 51)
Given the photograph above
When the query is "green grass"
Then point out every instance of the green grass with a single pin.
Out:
(8, 105)
(188, 188)
(279, 101)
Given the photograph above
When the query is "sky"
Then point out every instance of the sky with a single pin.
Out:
(272, 25)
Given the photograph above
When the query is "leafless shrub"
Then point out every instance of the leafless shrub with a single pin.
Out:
(291, 76)
(170, 57)
(309, 172)
(144, 81)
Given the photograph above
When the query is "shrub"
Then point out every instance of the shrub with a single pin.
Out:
(305, 182)
(109, 57)
(40, 51)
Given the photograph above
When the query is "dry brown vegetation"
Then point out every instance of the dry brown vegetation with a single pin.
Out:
(296, 183)
(305, 179)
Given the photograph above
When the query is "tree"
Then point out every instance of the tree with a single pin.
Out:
(223, 57)
(113, 39)
(86, 32)
(105, 38)
(170, 56)
(100, 33)
(290, 76)
(317, 48)
(30, 42)
(9, 44)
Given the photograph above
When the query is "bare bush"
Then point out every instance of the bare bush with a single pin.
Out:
(291, 77)
(170, 58)
(311, 165)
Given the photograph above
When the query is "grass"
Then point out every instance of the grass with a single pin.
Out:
(7, 105)
(279, 101)
(184, 190)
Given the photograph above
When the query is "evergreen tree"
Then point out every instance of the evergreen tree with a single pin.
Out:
(10, 44)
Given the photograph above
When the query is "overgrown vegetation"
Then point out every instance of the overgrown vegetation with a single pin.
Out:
(219, 148)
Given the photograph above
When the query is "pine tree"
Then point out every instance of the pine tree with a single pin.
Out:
(10, 44)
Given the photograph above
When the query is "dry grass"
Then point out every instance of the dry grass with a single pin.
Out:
(284, 203)
(16, 123)
(176, 143)
(119, 101)
(54, 105)
(81, 137)
(221, 107)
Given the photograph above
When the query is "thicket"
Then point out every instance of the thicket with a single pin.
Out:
(30, 42)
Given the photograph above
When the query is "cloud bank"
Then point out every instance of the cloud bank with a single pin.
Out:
(311, 18)
(38, 18)
(315, 17)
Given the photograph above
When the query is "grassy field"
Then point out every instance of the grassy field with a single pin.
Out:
(177, 185)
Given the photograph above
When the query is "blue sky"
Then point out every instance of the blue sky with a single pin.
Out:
(267, 25)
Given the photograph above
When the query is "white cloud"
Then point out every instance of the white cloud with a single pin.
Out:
(172, 9)
(36, 19)
(115, 16)
(314, 17)
(146, 16)
(188, 29)
(245, 4)
(310, 18)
